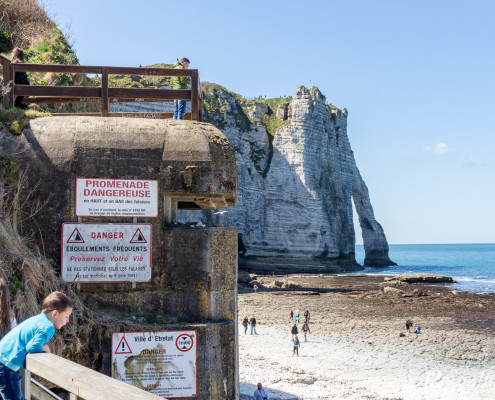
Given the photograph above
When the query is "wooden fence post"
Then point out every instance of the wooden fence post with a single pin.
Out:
(7, 85)
(194, 96)
(26, 383)
(104, 93)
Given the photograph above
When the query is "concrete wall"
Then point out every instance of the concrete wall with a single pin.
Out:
(194, 270)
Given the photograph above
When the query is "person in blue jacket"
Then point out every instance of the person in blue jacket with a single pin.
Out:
(31, 336)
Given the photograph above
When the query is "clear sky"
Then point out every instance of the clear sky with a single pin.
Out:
(418, 80)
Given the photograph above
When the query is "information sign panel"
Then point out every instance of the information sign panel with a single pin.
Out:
(163, 363)
(116, 198)
(106, 252)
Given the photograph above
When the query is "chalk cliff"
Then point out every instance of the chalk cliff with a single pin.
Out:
(295, 187)
(297, 178)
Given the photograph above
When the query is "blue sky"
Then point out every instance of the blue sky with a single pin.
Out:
(416, 77)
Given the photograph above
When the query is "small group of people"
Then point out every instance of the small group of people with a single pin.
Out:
(409, 325)
(294, 330)
(30, 336)
(252, 322)
(307, 316)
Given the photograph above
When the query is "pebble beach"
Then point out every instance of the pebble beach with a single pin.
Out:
(359, 347)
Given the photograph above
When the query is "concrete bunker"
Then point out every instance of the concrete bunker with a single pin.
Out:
(193, 282)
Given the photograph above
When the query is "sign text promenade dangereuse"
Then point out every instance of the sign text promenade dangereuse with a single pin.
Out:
(116, 198)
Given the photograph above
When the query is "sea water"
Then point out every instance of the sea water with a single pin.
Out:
(471, 265)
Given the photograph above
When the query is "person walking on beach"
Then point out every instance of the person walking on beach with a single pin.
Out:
(294, 331)
(297, 316)
(177, 83)
(291, 315)
(306, 316)
(252, 321)
(245, 324)
(20, 78)
(305, 329)
(31, 336)
(409, 324)
(296, 346)
(260, 394)
(255, 287)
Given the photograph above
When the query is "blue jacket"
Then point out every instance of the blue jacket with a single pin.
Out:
(28, 337)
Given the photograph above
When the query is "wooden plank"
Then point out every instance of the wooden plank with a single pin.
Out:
(150, 71)
(26, 383)
(53, 100)
(89, 100)
(148, 115)
(195, 96)
(58, 68)
(104, 93)
(57, 91)
(87, 114)
(169, 94)
(82, 381)
(138, 100)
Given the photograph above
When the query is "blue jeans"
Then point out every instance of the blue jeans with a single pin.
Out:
(253, 328)
(10, 384)
(179, 108)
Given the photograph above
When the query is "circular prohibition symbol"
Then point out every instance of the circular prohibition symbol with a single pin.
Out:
(184, 342)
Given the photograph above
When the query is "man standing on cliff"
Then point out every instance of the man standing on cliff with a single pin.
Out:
(180, 82)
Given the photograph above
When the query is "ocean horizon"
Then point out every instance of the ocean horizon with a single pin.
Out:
(472, 265)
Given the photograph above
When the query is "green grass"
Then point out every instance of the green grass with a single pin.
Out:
(15, 119)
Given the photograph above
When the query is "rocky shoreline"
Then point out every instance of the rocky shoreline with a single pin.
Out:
(360, 321)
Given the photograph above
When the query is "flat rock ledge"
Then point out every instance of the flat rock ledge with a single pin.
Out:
(423, 278)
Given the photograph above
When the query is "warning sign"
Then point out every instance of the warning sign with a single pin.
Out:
(138, 237)
(106, 252)
(184, 342)
(116, 198)
(75, 237)
(156, 364)
(123, 347)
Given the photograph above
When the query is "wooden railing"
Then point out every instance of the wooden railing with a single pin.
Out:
(104, 94)
(82, 383)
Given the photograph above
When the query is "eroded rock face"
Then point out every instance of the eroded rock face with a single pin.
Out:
(296, 189)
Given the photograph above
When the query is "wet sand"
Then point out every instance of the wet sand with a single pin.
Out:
(359, 347)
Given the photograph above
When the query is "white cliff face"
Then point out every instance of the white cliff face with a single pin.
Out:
(295, 191)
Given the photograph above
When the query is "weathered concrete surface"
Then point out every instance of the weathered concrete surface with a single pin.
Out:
(216, 345)
(194, 271)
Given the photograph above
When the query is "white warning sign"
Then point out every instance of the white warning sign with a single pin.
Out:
(106, 252)
(116, 198)
(163, 363)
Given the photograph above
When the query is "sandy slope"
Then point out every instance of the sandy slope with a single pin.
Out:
(355, 351)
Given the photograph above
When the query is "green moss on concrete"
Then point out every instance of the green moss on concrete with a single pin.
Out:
(15, 119)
